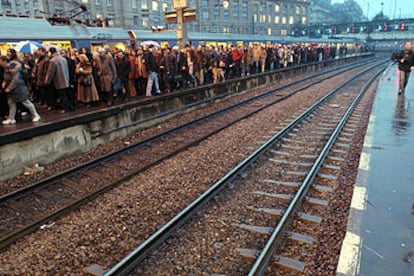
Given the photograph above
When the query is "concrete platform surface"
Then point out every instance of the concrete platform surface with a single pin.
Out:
(380, 236)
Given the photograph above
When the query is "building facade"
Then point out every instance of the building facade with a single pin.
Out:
(262, 17)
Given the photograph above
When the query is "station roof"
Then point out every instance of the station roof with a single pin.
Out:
(15, 28)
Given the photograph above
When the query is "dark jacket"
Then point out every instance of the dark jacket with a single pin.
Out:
(405, 60)
(150, 61)
(40, 71)
(58, 72)
(168, 63)
(123, 68)
(13, 76)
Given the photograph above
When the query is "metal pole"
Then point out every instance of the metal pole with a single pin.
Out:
(182, 37)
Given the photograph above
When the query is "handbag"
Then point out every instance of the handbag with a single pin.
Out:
(117, 84)
(86, 80)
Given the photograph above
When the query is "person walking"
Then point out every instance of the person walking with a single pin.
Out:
(405, 62)
(15, 88)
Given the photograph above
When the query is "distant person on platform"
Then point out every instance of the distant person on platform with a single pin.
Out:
(15, 88)
(405, 62)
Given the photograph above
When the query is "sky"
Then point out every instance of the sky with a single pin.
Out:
(391, 8)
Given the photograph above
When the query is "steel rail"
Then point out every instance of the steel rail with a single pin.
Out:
(13, 236)
(276, 237)
(52, 179)
(126, 265)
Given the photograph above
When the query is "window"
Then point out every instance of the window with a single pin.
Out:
(226, 4)
(204, 3)
(145, 22)
(206, 15)
(135, 19)
(97, 2)
(226, 15)
(235, 10)
(263, 18)
(144, 6)
(277, 8)
(165, 7)
(155, 6)
(156, 21)
(216, 14)
(109, 3)
(277, 19)
(269, 31)
(297, 10)
(284, 20)
(134, 6)
(291, 20)
(304, 20)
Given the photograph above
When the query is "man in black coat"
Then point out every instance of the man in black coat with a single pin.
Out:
(405, 62)
(168, 67)
(123, 69)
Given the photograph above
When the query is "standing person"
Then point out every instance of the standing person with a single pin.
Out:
(86, 89)
(256, 59)
(39, 74)
(58, 76)
(152, 68)
(132, 61)
(237, 57)
(200, 64)
(15, 88)
(181, 67)
(168, 64)
(141, 75)
(405, 62)
(123, 70)
(106, 71)
(3, 97)
(72, 89)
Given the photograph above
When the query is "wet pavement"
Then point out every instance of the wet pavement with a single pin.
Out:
(380, 236)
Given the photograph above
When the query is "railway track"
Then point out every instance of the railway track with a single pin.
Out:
(38, 205)
(276, 181)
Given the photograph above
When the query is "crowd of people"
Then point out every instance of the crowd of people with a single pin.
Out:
(60, 79)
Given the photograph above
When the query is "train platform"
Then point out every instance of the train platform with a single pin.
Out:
(54, 119)
(380, 235)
